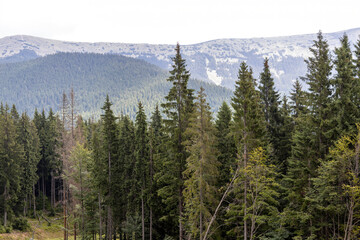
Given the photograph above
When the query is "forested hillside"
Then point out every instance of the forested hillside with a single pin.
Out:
(40, 83)
(267, 168)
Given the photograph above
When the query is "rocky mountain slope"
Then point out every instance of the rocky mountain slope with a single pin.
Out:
(214, 61)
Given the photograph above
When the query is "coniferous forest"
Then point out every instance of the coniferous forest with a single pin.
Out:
(265, 166)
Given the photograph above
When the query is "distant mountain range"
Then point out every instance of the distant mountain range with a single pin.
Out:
(40, 83)
(215, 61)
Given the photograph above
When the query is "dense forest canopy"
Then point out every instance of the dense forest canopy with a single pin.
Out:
(39, 83)
(267, 168)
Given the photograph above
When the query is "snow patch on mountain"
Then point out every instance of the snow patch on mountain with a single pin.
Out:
(214, 61)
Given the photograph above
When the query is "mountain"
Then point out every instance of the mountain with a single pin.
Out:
(40, 83)
(214, 61)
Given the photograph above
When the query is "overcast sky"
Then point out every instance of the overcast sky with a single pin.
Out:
(168, 21)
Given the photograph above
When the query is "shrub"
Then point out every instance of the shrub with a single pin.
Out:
(21, 224)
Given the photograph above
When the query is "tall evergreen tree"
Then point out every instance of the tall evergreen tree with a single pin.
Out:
(225, 144)
(319, 93)
(249, 130)
(127, 206)
(270, 100)
(31, 145)
(177, 108)
(298, 100)
(346, 92)
(142, 161)
(11, 160)
(201, 169)
(111, 148)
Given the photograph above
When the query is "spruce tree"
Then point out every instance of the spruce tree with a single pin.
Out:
(249, 130)
(298, 100)
(319, 93)
(31, 145)
(156, 156)
(177, 108)
(11, 160)
(345, 105)
(142, 164)
(201, 169)
(270, 101)
(225, 144)
(127, 206)
(111, 148)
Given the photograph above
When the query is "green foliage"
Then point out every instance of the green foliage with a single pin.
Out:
(39, 83)
(260, 208)
(21, 224)
(177, 108)
(201, 169)
(225, 144)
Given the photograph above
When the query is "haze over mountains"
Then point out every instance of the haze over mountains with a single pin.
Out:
(39, 83)
(215, 61)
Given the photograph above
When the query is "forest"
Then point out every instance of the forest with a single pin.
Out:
(264, 167)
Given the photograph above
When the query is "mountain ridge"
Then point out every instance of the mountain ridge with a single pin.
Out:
(215, 61)
(40, 83)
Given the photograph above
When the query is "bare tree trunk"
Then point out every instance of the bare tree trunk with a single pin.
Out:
(65, 210)
(151, 187)
(100, 223)
(74, 230)
(151, 223)
(34, 200)
(245, 182)
(5, 206)
(221, 201)
(109, 210)
(43, 188)
(180, 214)
(52, 190)
(142, 215)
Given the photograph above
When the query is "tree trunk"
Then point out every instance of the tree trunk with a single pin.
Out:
(109, 210)
(52, 190)
(43, 188)
(25, 205)
(75, 231)
(5, 205)
(151, 223)
(34, 200)
(142, 215)
(221, 201)
(65, 210)
(100, 223)
(180, 214)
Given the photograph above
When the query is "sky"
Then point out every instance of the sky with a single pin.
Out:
(168, 21)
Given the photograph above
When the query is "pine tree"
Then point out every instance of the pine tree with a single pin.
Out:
(11, 158)
(31, 145)
(346, 92)
(127, 206)
(286, 132)
(337, 194)
(270, 101)
(142, 158)
(225, 144)
(249, 131)
(319, 93)
(298, 100)
(201, 169)
(178, 106)
(157, 138)
(111, 148)
(260, 207)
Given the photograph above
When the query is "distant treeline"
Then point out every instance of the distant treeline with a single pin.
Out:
(39, 83)
(268, 168)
